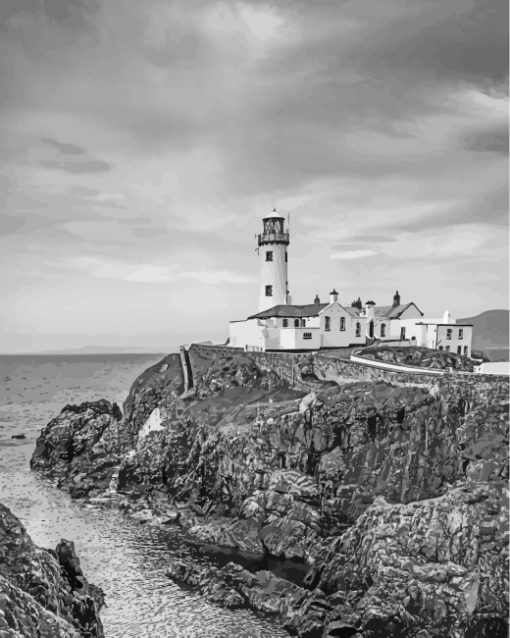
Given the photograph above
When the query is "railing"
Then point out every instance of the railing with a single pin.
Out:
(278, 238)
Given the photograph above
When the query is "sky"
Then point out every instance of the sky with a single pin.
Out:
(142, 142)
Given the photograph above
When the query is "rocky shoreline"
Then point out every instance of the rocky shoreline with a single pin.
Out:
(43, 592)
(393, 493)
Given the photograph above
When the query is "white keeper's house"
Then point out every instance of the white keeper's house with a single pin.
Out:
(281, 325)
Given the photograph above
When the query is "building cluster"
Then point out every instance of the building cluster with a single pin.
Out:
(282, 325)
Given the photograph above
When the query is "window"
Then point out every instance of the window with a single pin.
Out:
(269, 255)
(383, 330)
(461, 333)
(327, 323)
(296, 323)
(465, 349)
(286, 257)
(449, 333)
(285, 323)
(403, 333)
(303, 323)
(358, 329)
(459, 349)
(447, 348)
(307, 335)
(440, 347)
(269, 291)
(342, 323)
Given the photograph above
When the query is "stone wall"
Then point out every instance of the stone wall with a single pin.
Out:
(346, 371)
(299, 369)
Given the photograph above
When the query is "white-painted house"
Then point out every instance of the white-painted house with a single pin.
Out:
(281, 325)
(307, 327)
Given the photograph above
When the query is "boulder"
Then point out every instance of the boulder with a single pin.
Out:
(80, 447)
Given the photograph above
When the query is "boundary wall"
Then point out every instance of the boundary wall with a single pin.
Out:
(294, 368)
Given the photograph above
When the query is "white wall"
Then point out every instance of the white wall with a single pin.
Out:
(273, 273)
(408, 318)
(247, 333)
(431, 335)
(336, 338)
(293, 339)
(494, 367)
(378, 331)
(454, 342)
(413, 329)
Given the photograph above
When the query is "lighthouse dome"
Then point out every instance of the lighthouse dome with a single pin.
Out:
(273, 215)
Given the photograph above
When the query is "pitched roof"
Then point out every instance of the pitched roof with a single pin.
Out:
(293, 311)
(308, 310)
(394, 312)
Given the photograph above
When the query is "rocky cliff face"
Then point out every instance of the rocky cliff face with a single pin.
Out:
(393, 494)
(43, 592)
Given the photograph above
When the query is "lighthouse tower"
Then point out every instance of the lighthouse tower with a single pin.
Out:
(272, 249)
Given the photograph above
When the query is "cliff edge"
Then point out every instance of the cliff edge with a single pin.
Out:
(391, 488)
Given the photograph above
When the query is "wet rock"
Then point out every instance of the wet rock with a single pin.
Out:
(44, 593)
(80, 448)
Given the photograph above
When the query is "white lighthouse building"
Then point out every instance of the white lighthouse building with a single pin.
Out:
(281, 325)
(272, 248)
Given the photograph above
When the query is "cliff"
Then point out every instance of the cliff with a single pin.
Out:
(43, 592)
(392, 488)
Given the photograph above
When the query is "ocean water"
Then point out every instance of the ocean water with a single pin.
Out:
(127, 559)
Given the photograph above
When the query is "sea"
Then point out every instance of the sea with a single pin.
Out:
(127, 559)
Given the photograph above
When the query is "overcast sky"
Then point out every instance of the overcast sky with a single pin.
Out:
(143, 140)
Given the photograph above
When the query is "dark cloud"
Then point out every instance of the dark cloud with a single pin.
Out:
(489, 208)
(462, 39)
(66, 149)
(72, 13)
(494, 141)
(449, 40)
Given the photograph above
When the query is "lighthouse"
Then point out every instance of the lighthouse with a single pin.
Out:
(272, 249)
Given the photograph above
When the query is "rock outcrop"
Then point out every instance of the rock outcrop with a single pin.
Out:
(81, 447)
(393, 494)
(43, 593)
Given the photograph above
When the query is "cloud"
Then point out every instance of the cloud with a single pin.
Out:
(149, 274)
(353, 254)
(146, 143)
(218, 277)
(86, 166)
(491, 141)
(66, 149)
(118, 270)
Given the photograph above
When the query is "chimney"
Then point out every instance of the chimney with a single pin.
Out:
(369, 309)
(316, 300)
(396, 299)
(333, 296)
(447, 317)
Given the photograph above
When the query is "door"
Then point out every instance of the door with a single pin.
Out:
(371, 330)
(402, 333)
